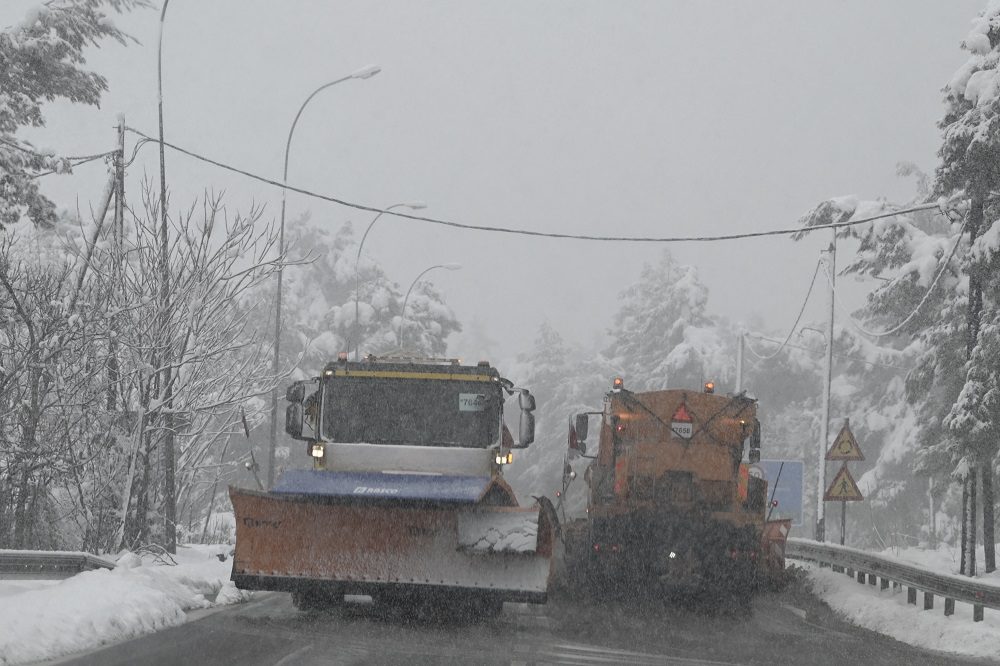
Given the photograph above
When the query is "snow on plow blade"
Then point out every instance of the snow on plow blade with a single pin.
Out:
(354, 536)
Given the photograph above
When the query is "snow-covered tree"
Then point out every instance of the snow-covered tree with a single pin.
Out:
(565, 380)
(41, 59)
(970, 163)
(320, 303)
(663, 336)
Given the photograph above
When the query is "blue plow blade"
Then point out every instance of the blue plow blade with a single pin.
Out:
(432, 487)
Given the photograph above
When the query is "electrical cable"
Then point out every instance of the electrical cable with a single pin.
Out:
(844, 356)
(930, 289)
(528, 232)
(71, 166)
(71, 158)
(797, 320)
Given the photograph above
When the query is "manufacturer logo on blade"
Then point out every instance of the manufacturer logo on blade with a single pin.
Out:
(260, 522)
(368, 490)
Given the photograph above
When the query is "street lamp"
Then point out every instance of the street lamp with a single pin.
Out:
(402, 312)
(363, 73)
(414, 205)
(169, 455)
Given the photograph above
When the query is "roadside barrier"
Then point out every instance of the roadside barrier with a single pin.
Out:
(876, 569)
(47, 565)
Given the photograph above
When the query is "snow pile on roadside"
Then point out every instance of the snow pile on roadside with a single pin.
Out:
(45, 619)
(888, 613)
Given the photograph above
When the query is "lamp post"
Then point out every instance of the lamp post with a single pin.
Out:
(169, 458)
(414, 205)
(402, 312)
(363, 73)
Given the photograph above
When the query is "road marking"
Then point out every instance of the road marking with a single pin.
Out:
(576, 653)
(795, 610)
(290, 657)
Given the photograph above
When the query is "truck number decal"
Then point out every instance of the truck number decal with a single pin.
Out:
(471, 402)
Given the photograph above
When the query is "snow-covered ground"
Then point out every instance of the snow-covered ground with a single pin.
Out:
(888, 613)
(47, 619)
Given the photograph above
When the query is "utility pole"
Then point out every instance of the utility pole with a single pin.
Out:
(120, 185)
(118, 235)
(824, 428)
(739, 361)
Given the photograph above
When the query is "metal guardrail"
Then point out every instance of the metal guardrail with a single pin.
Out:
(871, 567)
(47, 565)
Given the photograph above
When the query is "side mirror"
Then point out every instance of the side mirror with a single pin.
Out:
(526, 431)
(302, 413)
(293, 420)
(526, 427)
(296, 393)
(580, 426)
(754, 454)
(576, 444)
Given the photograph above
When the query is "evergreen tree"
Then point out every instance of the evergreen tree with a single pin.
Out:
(970, 163)
(663, 337)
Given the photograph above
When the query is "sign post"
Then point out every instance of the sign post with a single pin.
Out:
(844, 489)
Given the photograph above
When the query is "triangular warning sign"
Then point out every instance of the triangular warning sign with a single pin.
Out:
(843, 488)
(682, 414)
(845, 447)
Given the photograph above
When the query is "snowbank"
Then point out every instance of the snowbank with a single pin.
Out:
(47, 619)
(888, 613)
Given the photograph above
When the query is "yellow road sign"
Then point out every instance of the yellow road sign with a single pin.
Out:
(845, 447)
(843, 488)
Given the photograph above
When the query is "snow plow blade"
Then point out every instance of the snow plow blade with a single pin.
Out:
(390, 534)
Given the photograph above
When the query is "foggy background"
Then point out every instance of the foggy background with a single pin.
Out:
(644, 118)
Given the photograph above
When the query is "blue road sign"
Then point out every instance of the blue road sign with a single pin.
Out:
(788, 491)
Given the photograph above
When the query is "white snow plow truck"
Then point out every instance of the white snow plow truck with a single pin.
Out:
(406, 500)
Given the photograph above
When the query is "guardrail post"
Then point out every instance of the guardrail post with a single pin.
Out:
(949, 607)
(861, 577)
(928, 601)
(884, 584)
(977, 613)
(911, 595)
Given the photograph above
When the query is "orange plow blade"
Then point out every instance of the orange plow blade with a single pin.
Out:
(374, 545)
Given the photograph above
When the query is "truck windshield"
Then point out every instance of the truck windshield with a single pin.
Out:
(433, 412)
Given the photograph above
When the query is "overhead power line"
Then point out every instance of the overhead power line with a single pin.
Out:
(529, 232)
(930, 289)
(791, 331)
(816, 351)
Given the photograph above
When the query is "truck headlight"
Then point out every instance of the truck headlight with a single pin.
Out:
(317, 451)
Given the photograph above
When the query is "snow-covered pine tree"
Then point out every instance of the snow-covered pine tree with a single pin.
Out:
(565, 380)
(970, 163)
(662, 334)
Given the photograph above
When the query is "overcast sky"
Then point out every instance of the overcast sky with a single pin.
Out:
(638, 118)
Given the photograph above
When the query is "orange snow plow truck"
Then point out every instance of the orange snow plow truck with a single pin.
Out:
(675, 501)
(406, 500)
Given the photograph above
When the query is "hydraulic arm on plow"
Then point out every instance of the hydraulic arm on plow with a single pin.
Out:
(406, 500)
